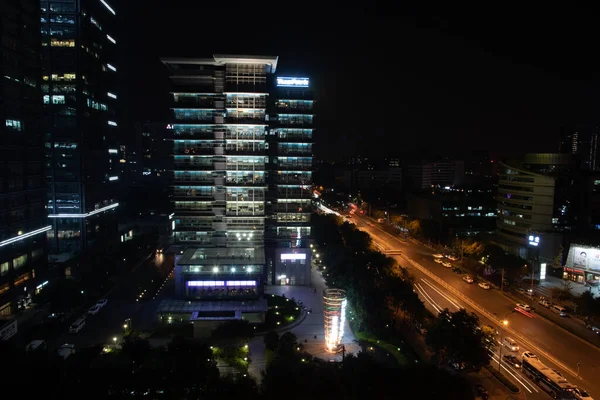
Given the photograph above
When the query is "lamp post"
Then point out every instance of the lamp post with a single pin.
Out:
(505, 323)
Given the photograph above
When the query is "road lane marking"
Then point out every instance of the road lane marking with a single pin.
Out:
(530, 315)
(497, 360)
(428, 298)
(441, 294)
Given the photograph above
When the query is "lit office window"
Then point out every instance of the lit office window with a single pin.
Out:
(14, 125)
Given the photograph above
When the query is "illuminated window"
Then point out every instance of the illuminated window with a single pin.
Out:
(4, 267)
(54, 42)
(60, 99)
(46, 99)
(96, 23)
(63, 77)
(18, 262)
(14, 125)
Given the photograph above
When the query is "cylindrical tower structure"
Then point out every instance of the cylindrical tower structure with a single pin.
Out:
(334, 312)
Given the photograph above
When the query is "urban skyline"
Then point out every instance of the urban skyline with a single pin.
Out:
(221, 199)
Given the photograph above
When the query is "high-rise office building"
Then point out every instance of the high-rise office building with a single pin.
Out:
(583, 144)
(219, 187)
(81, 121)
(290, 181)
(23, 219)
(225, 144)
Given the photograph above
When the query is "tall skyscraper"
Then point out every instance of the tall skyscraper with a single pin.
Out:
(81, 121)
(236, 163)
(290, 181)
(583, 144)
(23, 219)
(219, 174)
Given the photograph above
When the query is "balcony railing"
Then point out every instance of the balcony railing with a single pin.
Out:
(194, 150)
(246, 120)
(245, 167)
(295, 138)
(295, 152)
(294, 167)
(186, 180)
(193, 166)
(244, 151)
(294, 181)
(241, 136)
(244, 182)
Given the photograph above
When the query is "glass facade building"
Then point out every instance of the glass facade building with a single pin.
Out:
(81, 121)
(23, 219)
(219, 188)
(290, 142)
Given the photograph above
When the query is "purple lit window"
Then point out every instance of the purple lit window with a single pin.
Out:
(241, 283)
(206, 283)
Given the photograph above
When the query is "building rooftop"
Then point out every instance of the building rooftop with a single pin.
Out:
(218, 309)
(222, 59)
(223, 256)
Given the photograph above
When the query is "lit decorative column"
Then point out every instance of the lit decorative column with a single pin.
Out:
(334, 312)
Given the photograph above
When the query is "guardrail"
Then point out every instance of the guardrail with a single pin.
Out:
(486, 314)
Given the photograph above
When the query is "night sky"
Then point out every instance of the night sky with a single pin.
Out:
(393, 80)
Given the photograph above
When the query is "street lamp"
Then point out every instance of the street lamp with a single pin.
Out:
(505, 324)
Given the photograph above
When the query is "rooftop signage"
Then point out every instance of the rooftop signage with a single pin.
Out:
(292, 82)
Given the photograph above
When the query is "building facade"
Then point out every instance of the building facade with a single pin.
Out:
(289, 178)
(81, 121)
(534, 200)
(582, 143)
(219, 187)
(23, 219)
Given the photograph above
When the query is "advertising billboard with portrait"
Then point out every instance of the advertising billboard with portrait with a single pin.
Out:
(583, 257)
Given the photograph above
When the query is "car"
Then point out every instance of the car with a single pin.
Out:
(66, 350)
(482, 392)
(438, 260)
(524, 307)
(528, 355)
(452, 258)
(447, 264)
(545, 303)
(512, 360)
(469, 279)
(457, 270)
(521, 290)
(437, 255)
(593, 328)
(420, 328)
(94, 310)
(101, 303)
(458, 366)
(484, 285)
(581, 394)
(160, 249)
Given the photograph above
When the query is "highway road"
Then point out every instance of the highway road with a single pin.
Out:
(124, 302)
(564, 350)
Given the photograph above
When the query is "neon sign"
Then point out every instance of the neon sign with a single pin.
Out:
(292, 82)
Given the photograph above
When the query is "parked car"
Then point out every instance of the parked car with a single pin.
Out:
(484, 285)
(66, 350)
(482, 392)
(452, 257)
(468, 278)
(511, 344)
(94, 310)
(457, 270)
(512, 360)
(438, 255)
(438, 260)
(101, 303)
(524, 307)
(593, 328)
(458, 366)
(447, 264)
(545, 303)
(420, 328)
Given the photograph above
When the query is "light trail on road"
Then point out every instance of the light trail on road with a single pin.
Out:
(442, 294)
(428, 298)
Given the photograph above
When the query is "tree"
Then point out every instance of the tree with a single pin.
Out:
(557, 263)
(473, 249)
(288, 345)
(239, 329)
(63, 294)
(271, 340)
(587, 304)
(414, 228)
(457, 337)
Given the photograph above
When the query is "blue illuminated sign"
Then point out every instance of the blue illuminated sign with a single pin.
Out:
(292, 82)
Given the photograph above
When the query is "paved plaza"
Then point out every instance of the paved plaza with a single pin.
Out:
(312, 325)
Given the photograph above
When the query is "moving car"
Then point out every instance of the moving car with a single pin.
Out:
(528, 354)
(545, 303)
(582, 394)
(468, 279)
(484, 285)
(438, 255)
(524, 307)
(512, 360)
(593, 328)
(481, 392)
(447, 264)
(101, 303)
(451, 257)
(438, 260)
(511, 344)
(94, 310)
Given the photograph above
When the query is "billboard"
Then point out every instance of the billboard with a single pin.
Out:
(583, 257)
